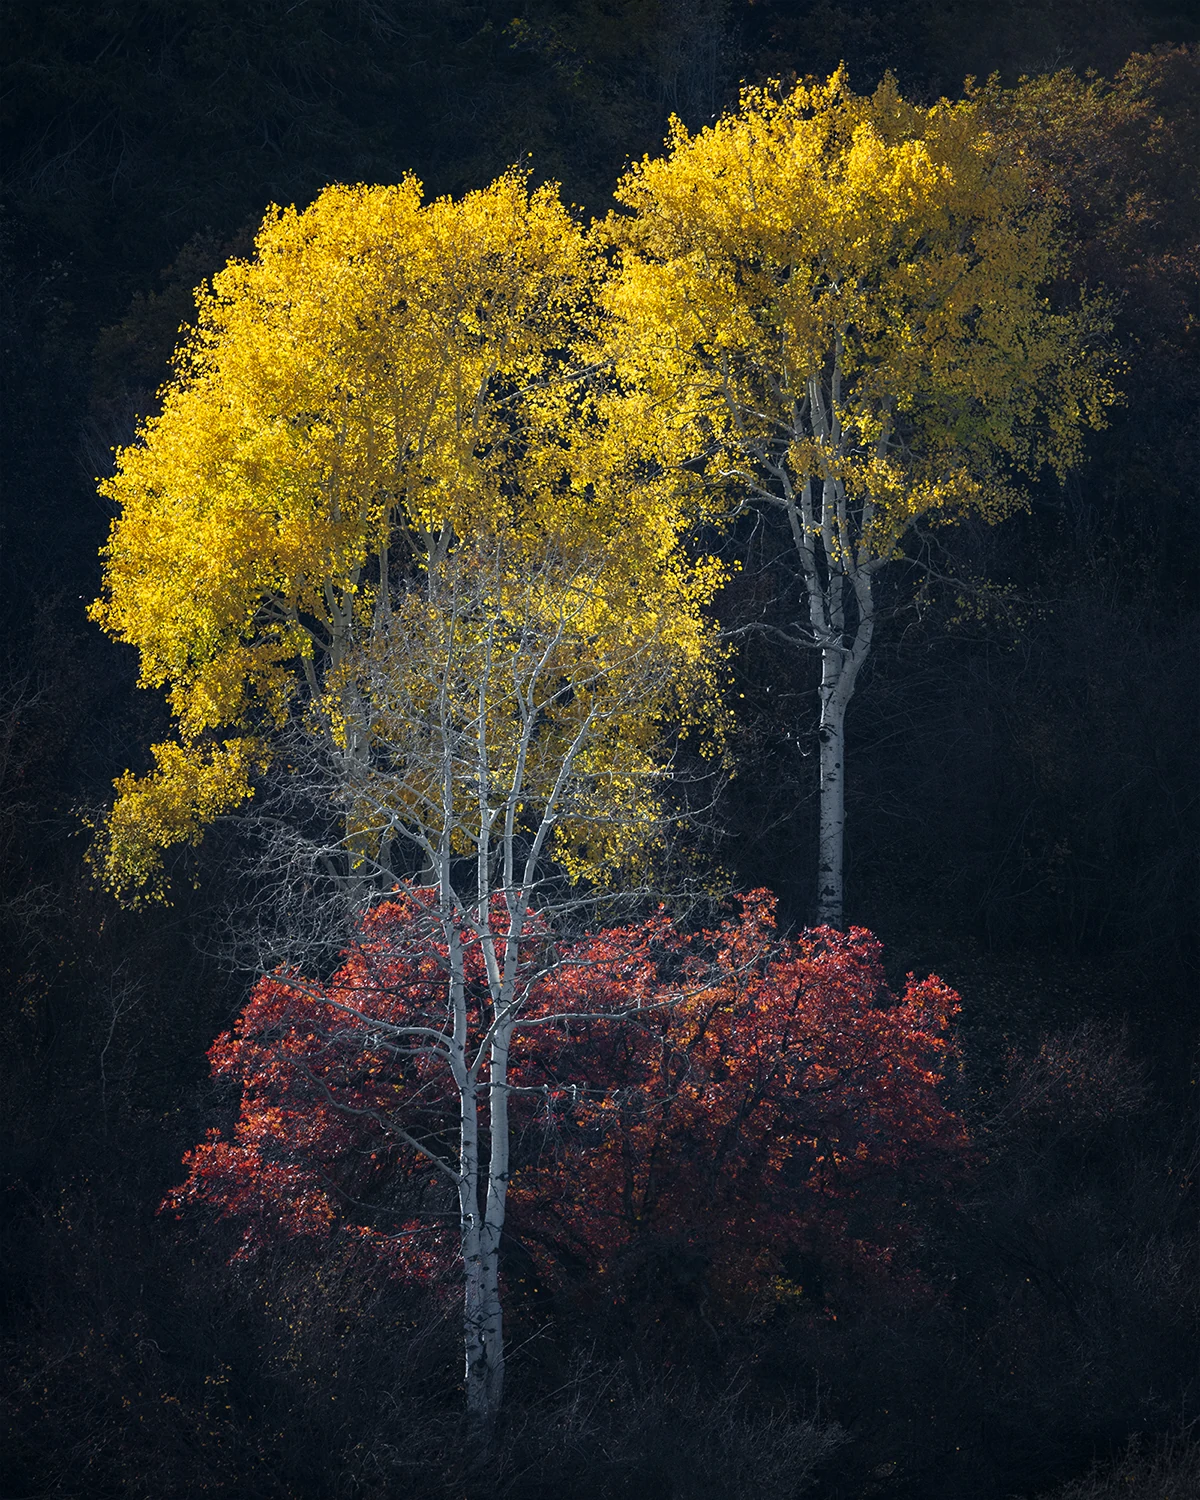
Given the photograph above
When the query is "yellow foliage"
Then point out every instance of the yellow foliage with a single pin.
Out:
(173, 805)
(382, 379)
(547, 692)
(830, 303)
(831, 287)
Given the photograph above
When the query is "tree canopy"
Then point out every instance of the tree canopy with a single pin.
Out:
(827, 287)
(384, 378)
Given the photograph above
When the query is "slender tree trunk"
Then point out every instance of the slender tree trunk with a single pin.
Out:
(483, 1320)
(839, 673)
(472, 1249)
(493, 1224)
(831, 733)
(833, 547)
(483, 1316)
(843, 652)
(473, 1243)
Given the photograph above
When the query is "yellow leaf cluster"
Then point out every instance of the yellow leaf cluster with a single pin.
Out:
(888, 259)
(187, 790)
(549, 691)
(384, 378)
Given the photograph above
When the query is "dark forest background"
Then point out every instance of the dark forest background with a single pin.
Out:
(1023, 802)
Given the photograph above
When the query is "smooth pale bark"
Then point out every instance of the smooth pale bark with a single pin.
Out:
(483, 1319)
(831, 534)
(480, 1232)
(471, 1238)
(493, 1223)
(843, 651)
(838, 672)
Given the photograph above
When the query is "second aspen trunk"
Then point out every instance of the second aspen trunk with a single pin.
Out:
(831, 838)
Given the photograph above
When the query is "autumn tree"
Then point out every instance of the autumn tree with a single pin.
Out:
(383, 519)
(725, 1093)
(391, 1091)
(833, 308)
(384, 379)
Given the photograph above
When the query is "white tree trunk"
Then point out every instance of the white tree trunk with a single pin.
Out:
(493, 1223)
(831, 733)
(483, 1330)
(483, 1314)
(841, 607)
(471, 1245)
(840, 664)
(477, 1247)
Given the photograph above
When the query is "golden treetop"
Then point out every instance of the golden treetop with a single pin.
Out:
(884, 260)
(383, 378)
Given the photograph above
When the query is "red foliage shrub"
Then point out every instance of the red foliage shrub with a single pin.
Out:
(726, 1095)
(785, 1102)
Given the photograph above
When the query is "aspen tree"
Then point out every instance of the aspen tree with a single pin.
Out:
(833, 307)
(384, 518)
(515, 724)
